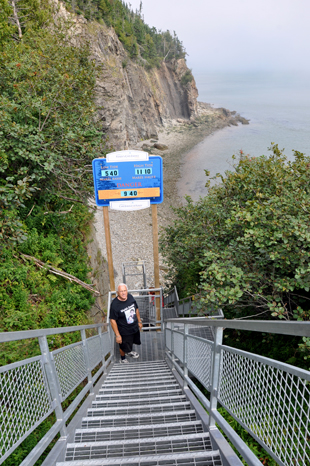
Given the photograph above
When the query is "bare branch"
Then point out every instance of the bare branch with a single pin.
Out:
(60, 212)
(55, 271)
(16, 19)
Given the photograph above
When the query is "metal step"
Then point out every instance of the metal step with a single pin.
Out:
(142, 419)
(134, 383)
(136, 397)
(140, 390)
(102, 402)
(138, 409)
(209, 458)
(142, 431)
(147, 377)
(145, 446)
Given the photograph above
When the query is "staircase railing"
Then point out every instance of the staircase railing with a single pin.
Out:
(268, 398)
(32, 389)
(186, 307)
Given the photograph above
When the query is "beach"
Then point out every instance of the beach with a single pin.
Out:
(131, 232)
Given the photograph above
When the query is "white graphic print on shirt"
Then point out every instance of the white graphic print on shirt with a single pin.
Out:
(130, 313)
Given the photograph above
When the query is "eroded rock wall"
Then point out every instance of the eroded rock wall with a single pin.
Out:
(134, 103)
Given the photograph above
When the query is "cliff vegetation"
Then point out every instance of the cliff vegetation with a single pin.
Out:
(245, 248)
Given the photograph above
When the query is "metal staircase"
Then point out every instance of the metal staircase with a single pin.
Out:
(141, 416)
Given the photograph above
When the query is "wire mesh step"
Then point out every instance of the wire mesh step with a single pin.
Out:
(133, 383)
(145, 446)
(136, 419)
(143, 431)
(210, 458)
(138, 409)
(128, 402)
(160, 378)
(139, 389)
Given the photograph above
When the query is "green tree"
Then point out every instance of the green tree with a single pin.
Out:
(47, 132)
(245, 247)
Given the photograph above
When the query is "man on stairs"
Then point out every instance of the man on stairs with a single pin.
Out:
(125, 322)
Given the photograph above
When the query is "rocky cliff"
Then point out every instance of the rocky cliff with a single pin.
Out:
(135, 102)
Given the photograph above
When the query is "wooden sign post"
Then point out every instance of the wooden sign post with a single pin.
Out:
(156, 256)
(108, 246)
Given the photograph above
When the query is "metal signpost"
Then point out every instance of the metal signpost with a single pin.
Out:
(129, 180)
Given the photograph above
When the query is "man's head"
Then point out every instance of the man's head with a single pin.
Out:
(122, 292)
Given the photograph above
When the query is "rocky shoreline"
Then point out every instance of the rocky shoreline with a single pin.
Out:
(131, 232)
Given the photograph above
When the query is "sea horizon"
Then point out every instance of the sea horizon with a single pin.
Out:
(278, 107)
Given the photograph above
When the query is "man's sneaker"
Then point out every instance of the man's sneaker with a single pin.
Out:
(124, 361)
(133, 354)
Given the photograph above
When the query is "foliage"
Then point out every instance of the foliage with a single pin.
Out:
(47, 137)
(47, 141)
(139, 39)
(245, 246)
(187, 77)
(31, 297)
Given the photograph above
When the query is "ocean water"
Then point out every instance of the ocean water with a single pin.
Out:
(278, 107)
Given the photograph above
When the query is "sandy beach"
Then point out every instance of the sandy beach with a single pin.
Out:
(131, 232)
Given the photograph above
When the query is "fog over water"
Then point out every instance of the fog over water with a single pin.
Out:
(278, 107)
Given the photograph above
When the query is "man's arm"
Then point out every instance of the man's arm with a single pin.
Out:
(115, 330)
(139, 319)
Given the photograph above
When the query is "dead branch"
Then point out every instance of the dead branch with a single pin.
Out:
(31, 210)
(69, 277)
(16, 19)
(60, 212)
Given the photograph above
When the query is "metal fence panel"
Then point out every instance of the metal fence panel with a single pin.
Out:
(106, 343)
(25, 402)
(168, 338)
(71, 368)
(199, 359)
(178, 344)
(270, 402)
(94, 351)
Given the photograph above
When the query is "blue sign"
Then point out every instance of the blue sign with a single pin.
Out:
(118, 181)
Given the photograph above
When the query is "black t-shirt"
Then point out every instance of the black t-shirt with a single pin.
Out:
(124, 313)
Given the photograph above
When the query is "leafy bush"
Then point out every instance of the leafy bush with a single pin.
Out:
(245, 246)
(187, 77)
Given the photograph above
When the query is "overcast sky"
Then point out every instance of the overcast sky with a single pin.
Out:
(236, 34)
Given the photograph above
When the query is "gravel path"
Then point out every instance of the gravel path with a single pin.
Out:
(131, 232)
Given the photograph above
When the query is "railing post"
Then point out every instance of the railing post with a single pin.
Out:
(172, 345)
(185, 370)
(86, 355)
(218, 340)
(102, 348)
(52, 379)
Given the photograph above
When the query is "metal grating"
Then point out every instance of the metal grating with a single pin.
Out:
(71, 367)
(168, 334)
(139, 396)
(139, 390)
(145, 431)
(146, 446)
(178, 344)
(137, 409)
(199, 359)
(25, 401)
(94, 351)
(143, 419)
(106, 343)
(274, 404)
(146, 401)
(185, 459)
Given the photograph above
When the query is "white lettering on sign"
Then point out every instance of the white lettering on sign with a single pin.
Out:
(130, 205)
(127, 156)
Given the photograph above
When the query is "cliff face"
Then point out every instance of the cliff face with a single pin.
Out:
(135, 102)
